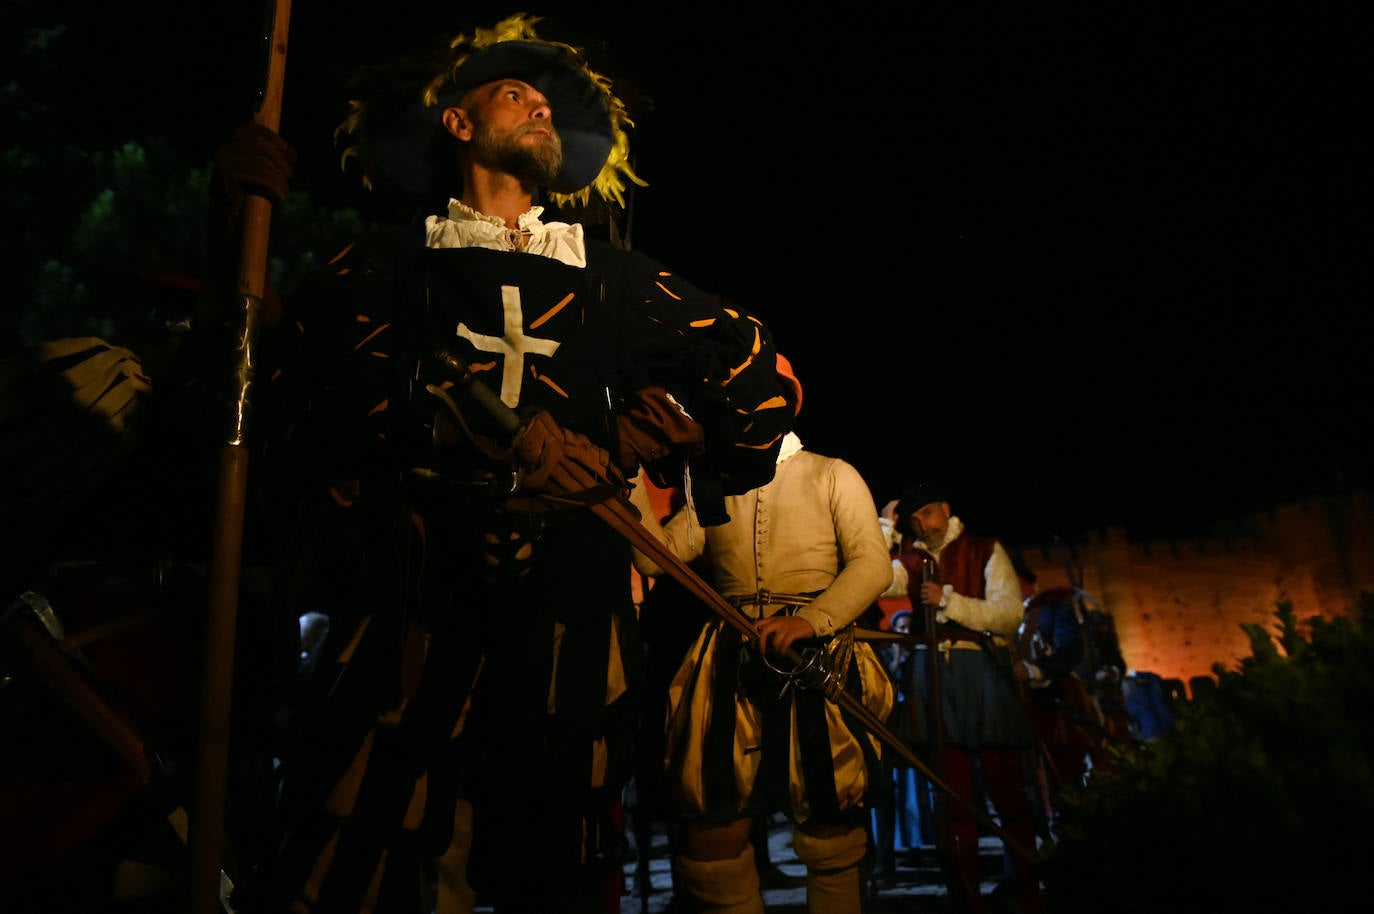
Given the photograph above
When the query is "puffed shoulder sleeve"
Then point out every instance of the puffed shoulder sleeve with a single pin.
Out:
(720, 362)
(329, 395)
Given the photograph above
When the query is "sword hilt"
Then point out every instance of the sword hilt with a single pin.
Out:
(453, 368)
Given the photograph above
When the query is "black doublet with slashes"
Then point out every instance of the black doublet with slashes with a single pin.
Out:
(471, 636)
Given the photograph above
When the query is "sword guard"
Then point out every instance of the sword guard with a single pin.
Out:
(812, 669)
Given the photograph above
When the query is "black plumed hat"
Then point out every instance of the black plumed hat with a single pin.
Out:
(396, 130)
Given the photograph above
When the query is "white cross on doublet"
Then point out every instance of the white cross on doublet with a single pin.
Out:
(513, 345)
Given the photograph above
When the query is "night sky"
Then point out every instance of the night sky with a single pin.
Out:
(1091, 264)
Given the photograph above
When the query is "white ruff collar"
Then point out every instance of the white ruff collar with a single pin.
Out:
(464, 227)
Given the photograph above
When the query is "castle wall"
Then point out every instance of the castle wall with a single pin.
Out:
(1179, 606)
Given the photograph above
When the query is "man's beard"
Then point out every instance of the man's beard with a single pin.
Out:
(533, 165)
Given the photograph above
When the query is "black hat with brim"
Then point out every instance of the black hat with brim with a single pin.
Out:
(913, 499)
(412, 148)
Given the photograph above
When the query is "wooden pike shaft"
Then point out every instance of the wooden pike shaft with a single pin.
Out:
(206, 828)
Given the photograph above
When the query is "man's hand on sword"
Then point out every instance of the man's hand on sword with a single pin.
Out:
(777, 633)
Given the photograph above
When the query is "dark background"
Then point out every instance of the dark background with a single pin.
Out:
(1093, 264)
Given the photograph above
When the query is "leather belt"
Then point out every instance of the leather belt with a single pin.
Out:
(768, 598)
(947, 632)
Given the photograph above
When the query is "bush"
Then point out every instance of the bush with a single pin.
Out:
(1257, 799)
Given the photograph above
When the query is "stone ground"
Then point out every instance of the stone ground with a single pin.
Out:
(917, 886)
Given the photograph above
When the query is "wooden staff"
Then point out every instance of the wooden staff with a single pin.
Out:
(206, 837)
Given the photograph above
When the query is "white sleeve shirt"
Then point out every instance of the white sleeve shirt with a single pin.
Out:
(811, 529)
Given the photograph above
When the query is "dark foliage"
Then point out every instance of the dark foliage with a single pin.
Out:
(89, 218)
(1257, 799)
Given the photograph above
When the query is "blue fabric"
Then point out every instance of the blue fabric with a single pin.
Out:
(1058, 626)
(1147, 705)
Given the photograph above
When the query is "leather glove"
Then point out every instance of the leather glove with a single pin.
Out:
(556, 461)
(255, 160)
(656, 432)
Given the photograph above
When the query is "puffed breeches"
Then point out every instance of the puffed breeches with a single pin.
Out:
(739, 743)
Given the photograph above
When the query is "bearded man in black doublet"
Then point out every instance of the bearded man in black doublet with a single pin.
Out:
(476, 701)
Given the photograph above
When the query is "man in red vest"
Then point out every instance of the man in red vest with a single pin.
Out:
(974, 591)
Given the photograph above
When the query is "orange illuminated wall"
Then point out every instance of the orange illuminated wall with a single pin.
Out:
(1179, 606)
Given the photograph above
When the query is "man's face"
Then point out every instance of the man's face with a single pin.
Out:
(512, 131)
(930, 522)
